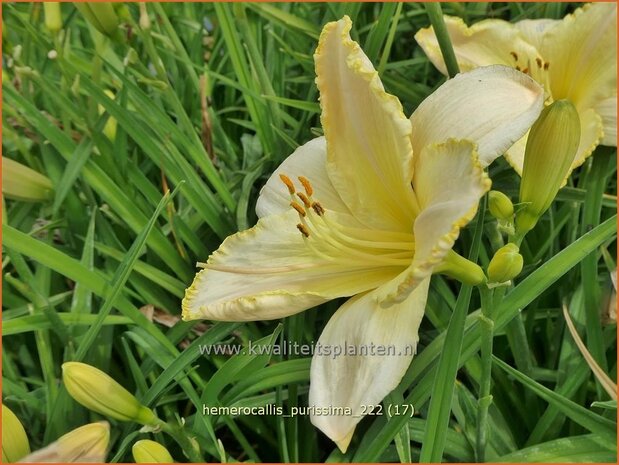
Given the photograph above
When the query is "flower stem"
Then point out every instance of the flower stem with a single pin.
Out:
(485, 398)
(189, 448)
(435, 13)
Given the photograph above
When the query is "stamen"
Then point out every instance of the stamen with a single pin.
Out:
(303, 229)
(514, 55)
(288, 182)
(525, 71)
(539, 62)
(518, 68)
(546, 66)
(306, 185)
(300, 210)
(305, 200)
(318, 209)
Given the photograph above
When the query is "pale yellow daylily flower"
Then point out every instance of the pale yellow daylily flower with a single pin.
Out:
(574, 58)
(368, 211)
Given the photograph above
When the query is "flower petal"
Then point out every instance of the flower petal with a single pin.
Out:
(533, 30)
(357, 381)
(582, 52)
(309, 161)
(493, 106)
(488, 42)
(607, 109)
(591, 132)
(448, 181)
(369, 154)
(270, 272)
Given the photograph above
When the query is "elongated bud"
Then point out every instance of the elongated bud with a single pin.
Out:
(22, 183)
(86, 444)
(98, 392)
(14, 439)
(146, 451)
(101, 16)
(500, 206)
(457, 267)
(53, 18)
(505, 265)
(549, 155)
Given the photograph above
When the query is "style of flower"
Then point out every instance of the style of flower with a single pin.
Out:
(367, 211)
(574, 58)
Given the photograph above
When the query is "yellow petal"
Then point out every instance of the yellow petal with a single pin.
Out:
(582, 52)
(270, 271)
(591, 133)
(309, 161)
(368, 137)
(358, 381)
(607, 109)
(488, 42)
(493, 106)
(448, 181)
(533, 30)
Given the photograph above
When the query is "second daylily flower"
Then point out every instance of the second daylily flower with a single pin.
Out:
(574, 58)
(368, 211)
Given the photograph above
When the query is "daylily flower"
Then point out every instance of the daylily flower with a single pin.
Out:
(369, 211)
(574, 58)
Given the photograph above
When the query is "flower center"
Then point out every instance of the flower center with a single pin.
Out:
(331, 240)
(538, 70)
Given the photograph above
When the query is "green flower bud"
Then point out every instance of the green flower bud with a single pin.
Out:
(98, 392)
(500, 206)
(53, 18)
(505, 265)
(87, 443)
(551, 147)
(22, 183)
(14, 439)
(101, 16)
(146, 451)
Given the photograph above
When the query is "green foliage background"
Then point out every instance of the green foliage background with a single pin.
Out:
(79, 268)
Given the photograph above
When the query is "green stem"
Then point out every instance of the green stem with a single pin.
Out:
(442, 36)
(189, 448)
(485, 398)
(595, 184)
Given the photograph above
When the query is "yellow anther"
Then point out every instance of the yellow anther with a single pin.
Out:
(318, 209)
(303, 230)
(288, 182)
(304, 199)
(300, 210)
(514, 55)
(525, 71)
(306, 185)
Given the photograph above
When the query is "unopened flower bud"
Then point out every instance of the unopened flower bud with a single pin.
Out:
(86, 444)
(53, 18)
(500, 206)
(146, 451)
(101, 16)
(14, 439)
(23, 183)
(505, 265)
(551, 147)
(98, 392)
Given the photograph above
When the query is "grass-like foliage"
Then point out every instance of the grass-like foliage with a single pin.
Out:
(206, 100)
